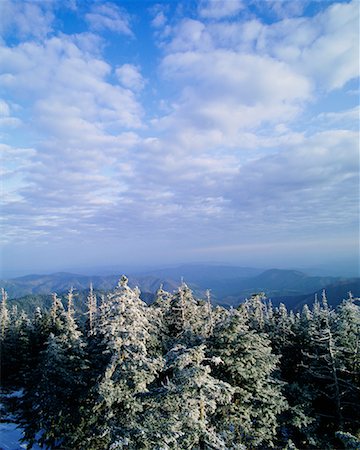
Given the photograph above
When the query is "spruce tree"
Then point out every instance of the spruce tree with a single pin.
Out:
(131, 363)
(248, 366)
(181, 413)
(335, 392)
(186, 319)
(51, 403)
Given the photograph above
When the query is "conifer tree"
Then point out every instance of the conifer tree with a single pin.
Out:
(347, 341)
(181, 413)
(131, 365)
(186, 319)
(92, 309)
(4, 314)
(51, 403)
(248, 365)
(15, 347)
(325, 363)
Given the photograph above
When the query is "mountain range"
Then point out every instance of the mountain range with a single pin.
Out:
(229, 285)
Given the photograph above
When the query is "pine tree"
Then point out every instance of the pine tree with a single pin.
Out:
(92, 309)
(51, 403)
(15, 347)
(254, 309)
(181, 412)
(186, 319)
(131, 365)
(325, 367)
(347, 340)
(248, 366)
(4, 314)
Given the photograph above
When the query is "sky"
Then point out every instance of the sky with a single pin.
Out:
(140, 133)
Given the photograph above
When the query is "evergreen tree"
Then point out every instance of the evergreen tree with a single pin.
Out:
(335, 392)
(181, 413)
(15, 347)
(132, 364)
(186, 319)
(51, 403)
(92, 309)
(347, 341)
(4, 314)
(248, 365)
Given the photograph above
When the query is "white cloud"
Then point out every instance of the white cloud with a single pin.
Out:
(6, 118)
(63, 81)
(324, 47)
(108, 16)
(218, 9)
(224, 93)
(130, 77)
(159, 20)
(346, 119)
(189, 35)
(26, 18)
(300, 186)
(82, 126)
(283, 8)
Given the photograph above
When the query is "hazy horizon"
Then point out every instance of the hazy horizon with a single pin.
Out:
(155, 133)
(343, 268)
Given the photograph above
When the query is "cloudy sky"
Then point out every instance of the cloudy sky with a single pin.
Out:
(150, 133)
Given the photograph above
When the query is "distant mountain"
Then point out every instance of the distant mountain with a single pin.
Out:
(229, 285)
(62, 281)
(199, 277)
(335, 294)
(204, 275)
(288, 282)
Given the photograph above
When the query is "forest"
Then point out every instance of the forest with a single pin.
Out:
(183, 374)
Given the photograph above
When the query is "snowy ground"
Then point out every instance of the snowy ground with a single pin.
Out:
(10, 435)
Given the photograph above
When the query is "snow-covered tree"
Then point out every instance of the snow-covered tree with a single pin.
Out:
(4, 314)
(131, 364)
(335, 392)
(92, 309)
(15, 348)
(186, 319)
(53, 396)
(248, 365)
(181, 412)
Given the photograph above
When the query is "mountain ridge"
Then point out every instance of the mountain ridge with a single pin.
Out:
(228, 284)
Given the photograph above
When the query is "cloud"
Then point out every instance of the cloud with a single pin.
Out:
(130, 77)
(346, 119)
(77, 91)
(159, 20)
(283, 8)
(189, 35)
(218, 9)
(26, 19)
(324, 47)
(224, 93)
(6, 119)
(108, 16)
(82, 130)
(243, 148)
(297, 189)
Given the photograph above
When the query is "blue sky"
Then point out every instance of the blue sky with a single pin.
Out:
(151, 133)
